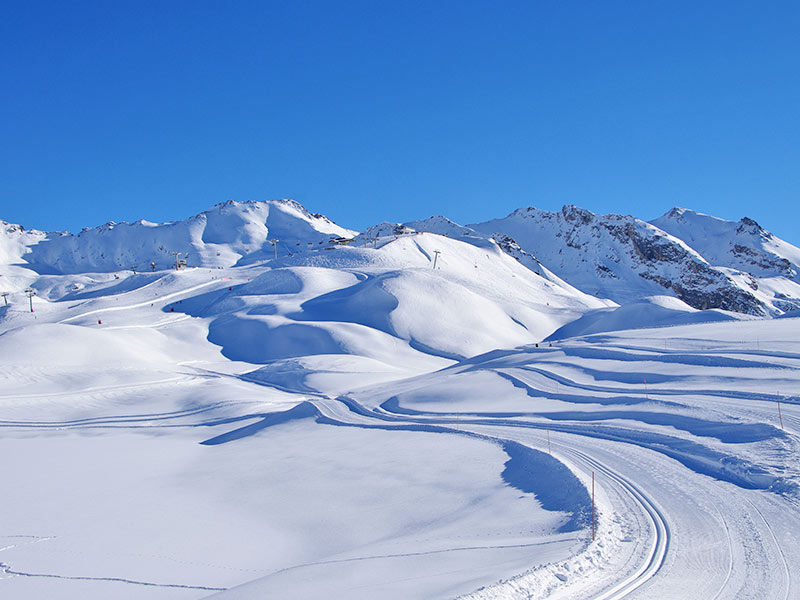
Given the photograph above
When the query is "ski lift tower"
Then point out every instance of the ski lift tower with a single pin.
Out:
(436, 254)
(5, 297)
(274, 246)
(30, 292)
(177, 263)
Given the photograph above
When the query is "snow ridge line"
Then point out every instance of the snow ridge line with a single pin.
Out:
(638, 395)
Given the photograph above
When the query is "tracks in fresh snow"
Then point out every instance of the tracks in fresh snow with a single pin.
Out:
(657, 552)
(784, 564)
(160, 299)
(643, 567)
(7, 569)
(728, 530)
(652, 559)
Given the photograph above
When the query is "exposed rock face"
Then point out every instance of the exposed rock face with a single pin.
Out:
(742, 245)
(753, 257)
(622, 258)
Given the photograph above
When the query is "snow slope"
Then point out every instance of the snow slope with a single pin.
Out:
(653, 311)
(15, 241)
(376, 302)
(347, 421)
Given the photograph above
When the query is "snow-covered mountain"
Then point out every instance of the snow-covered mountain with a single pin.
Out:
(423, 410)
(704, 261)
(745, 251)
(625, 259)
(742, 245)
(15, 242)
(707, 263)
(222, 236)
(322, 290)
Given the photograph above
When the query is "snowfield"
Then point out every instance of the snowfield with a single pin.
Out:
(346, 421)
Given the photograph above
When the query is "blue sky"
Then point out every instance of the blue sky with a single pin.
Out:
(370, 111)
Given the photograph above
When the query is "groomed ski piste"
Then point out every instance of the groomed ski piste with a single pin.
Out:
(353, 423)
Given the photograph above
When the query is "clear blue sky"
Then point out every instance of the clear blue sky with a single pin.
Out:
(370, 111)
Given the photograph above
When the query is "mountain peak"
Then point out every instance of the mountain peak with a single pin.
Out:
(748, 225)
(573, 213)
(223, 235)
(676, 212)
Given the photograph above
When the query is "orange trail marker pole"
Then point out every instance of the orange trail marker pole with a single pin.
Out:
(592, 505)
(780, 417)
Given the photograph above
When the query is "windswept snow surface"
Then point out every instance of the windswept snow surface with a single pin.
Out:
(349, 422)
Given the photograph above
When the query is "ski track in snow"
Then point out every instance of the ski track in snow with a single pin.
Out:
(684, 437)
(350, 412)
(656, 553)
(160, 299)
(787, 578)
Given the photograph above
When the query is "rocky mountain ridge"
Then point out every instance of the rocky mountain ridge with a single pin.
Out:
(706, 262)
(624, 258)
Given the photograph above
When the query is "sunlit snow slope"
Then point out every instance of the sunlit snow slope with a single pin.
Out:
(417, 411)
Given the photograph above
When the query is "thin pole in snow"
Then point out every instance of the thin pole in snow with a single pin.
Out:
(436, 254)
(592, 505)
(780, 417)
(31, 293)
